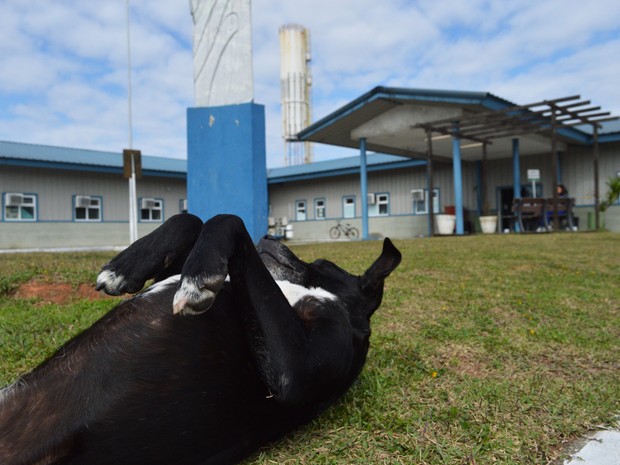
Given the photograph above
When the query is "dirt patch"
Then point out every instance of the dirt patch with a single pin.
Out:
(57, 293)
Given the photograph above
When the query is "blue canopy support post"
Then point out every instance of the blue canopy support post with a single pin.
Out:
(458, 179)
(516, 174)
(429, 182)
(516, 169)
(364, 187)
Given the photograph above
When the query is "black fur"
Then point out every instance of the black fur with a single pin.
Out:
(144, 386)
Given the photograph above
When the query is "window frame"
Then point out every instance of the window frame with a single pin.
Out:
(375, 209)
(303, 210)
(34, 205)
(318, 208)
(436, 203)
(87, 219)
(150, 210)
(344, 206)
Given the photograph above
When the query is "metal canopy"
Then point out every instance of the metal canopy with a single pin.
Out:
(387, 118)
(547, 116)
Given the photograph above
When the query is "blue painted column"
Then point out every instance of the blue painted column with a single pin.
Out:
(364, 187)
(458, 181)
(226, 164)
(516, 169)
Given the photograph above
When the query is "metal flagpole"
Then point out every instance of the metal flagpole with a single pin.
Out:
(133, 210)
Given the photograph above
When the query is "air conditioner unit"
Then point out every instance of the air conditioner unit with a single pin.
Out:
(372, 199)
(82, 201)
(418, 195)
(14, 200)
(147, 204)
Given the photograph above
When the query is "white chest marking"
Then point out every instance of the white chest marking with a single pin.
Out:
(295, 292)
(161, 285)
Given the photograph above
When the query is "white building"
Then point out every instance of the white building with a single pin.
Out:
(64, 197)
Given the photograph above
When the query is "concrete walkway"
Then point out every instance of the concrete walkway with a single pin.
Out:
(65, 249)
(601, 448)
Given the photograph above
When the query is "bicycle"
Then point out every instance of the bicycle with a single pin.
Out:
(349, 231)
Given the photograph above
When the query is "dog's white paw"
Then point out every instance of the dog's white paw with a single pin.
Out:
(196, 295)
(110, 282)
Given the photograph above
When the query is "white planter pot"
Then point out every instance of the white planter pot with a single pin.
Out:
(288, 234)
(488, 224)
(445, 224)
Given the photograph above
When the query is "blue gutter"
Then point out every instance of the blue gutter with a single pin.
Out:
(606, 138)
(85, 168)
(275, 179)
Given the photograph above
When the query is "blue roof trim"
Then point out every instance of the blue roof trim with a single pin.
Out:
(86, 168)
(606, 138)
(339, 167)
(609, 132)
(454, 97)
(89, 160)
(485, 99)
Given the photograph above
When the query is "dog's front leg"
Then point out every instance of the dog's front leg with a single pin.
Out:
(293, 360)
(157, 255)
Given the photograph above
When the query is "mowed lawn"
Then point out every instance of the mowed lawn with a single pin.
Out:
(487, 349)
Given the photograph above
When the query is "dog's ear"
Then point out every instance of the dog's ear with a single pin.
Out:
(386, 263)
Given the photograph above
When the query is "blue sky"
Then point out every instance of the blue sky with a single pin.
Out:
(63, 63)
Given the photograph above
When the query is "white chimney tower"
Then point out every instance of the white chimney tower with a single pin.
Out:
(295, 83)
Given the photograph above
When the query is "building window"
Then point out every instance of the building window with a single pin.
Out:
(300, 210)
(20, 207)
(86, 208)
(348, 207)
(378, 204)
(319, 209)
(151, 210)
(420, 201)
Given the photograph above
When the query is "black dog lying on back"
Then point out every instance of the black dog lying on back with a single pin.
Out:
(280, 342)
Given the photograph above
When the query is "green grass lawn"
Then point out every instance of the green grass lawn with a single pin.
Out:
(487, 349)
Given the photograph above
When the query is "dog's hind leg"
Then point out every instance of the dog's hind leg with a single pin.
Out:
(157, 255)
